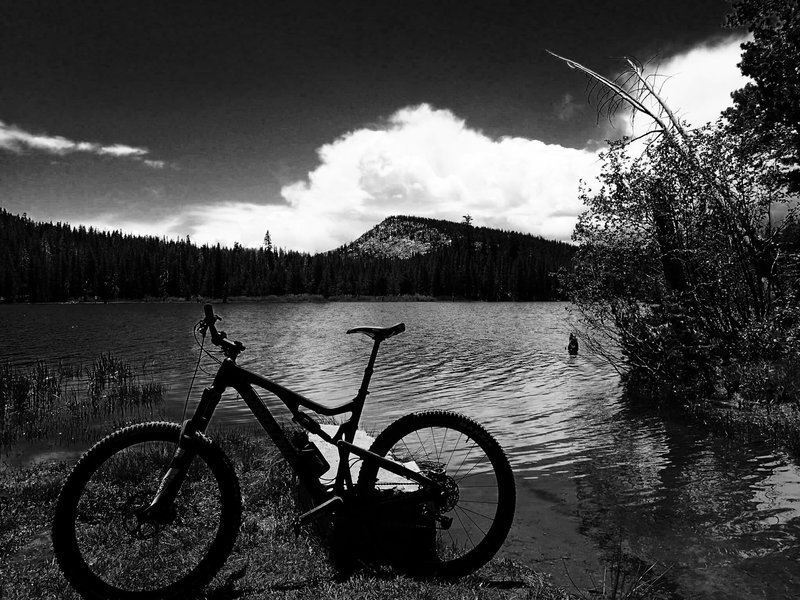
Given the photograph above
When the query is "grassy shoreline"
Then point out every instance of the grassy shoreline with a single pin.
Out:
(285, 298)
(268, 561)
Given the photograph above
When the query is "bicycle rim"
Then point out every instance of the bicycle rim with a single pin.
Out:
(99, 543)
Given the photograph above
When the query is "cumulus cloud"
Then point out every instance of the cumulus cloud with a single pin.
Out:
(15, 139)
(423, 162)
(429, 163)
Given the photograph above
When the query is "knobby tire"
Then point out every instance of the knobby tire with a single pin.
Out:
(93, 540)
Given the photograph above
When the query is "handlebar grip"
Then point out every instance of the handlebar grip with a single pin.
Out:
(209, 310)
(231, 349)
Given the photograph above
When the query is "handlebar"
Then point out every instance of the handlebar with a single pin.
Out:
(210, 316)
(219, 338)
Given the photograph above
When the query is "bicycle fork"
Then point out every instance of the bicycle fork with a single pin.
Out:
(162, 508)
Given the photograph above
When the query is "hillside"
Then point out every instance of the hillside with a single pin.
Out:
(402, 237)
(46, 262)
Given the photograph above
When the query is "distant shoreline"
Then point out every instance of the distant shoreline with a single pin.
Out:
(285, 299)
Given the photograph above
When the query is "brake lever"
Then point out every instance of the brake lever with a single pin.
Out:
(201, 327)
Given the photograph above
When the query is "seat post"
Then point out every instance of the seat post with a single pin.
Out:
(362, 393)
(378, 334)
(361, 398)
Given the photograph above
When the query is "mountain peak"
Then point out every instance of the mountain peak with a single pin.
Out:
(402, 237)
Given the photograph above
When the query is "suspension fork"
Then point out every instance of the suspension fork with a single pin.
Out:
(161, 508)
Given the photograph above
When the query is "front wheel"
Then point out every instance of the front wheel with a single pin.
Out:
(461, 529)
(99, 538)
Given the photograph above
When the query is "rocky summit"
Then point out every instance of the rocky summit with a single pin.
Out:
(400, 237)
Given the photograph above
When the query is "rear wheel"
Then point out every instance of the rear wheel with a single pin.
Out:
(457, 532)
(104, 546)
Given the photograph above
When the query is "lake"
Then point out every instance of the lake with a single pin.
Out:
(594, 476)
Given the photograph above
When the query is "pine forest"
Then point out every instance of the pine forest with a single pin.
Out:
(47, 262)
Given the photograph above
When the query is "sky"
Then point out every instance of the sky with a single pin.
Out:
(316, 119)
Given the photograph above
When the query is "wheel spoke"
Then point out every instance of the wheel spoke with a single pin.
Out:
(468, 473)
(441, 448)
(466, 531)
(467, 512)
(424, 448)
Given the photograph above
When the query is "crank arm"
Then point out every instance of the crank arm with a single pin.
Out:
(315, 513)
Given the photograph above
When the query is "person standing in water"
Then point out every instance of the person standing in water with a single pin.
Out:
(572, 347)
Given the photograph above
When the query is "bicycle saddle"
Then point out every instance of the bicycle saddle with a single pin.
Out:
(379, 333)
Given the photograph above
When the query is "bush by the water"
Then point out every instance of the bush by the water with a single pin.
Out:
(689, 254)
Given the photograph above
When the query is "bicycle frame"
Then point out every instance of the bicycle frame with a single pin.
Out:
(243, 381)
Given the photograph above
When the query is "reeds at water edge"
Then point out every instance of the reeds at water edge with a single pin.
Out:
(60, 401)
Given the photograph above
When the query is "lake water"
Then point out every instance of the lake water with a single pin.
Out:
(594, 476)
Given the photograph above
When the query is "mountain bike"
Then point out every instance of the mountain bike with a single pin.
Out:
(153, 510)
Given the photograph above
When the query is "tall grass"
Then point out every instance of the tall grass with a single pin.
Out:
(58, 401)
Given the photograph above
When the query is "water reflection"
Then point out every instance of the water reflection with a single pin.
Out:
(593, 474)
(696, 505)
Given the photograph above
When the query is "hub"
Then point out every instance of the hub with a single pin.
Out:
(448, 497)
